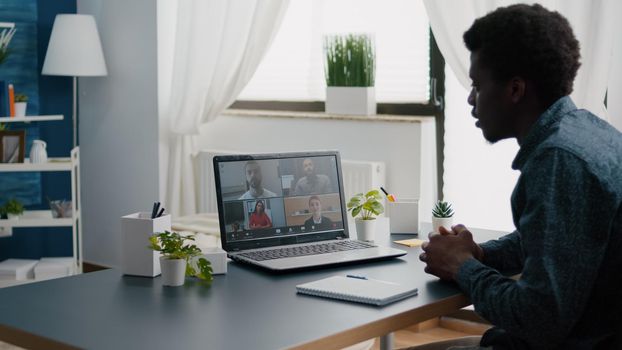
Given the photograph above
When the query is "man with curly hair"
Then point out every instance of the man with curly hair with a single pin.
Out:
(566, 206)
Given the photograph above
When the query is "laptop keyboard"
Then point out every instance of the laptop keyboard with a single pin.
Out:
(311, 249)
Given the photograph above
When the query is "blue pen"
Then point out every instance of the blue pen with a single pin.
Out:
(356, 276)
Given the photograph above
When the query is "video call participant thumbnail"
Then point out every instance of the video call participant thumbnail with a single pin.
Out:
(258, 218)
(252, 170)
(317, 221)
(312, 183)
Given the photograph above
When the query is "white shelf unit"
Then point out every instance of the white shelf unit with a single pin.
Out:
(43, 218)
(31, 118)
(53, 164)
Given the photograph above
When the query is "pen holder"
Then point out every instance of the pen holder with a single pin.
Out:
(404, 216)
(138, 259)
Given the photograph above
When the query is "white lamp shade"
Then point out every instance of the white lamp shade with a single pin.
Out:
(74, 48)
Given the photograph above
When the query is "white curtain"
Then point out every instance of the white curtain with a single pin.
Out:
(477, 177)
(218, 46)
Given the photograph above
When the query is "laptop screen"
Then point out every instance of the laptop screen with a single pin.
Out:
(276, 199)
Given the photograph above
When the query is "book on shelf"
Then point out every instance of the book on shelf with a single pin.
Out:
(18, 269)
(4, 99)
(11, 94)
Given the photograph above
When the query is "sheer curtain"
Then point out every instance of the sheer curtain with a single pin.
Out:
(218, 46)
(478, 178)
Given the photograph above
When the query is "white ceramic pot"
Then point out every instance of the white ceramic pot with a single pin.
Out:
(38, 154)
(13, 216)
(20, 109)
(365, 229)
(173, 271)
(445, 222)
(351, 100)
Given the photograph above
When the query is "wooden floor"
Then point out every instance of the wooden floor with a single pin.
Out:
(434, 330)
(5, 346)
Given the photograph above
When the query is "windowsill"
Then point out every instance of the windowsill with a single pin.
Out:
(326, 116)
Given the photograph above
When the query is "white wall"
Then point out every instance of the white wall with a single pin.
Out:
(407, 148)
(167, 21)
(119, 125)
(614, 93)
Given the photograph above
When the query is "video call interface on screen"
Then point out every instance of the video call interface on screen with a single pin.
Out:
(279, 197)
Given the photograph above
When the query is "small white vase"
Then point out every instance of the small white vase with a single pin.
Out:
(173, 271)
(20, 109)
(365, 229)
(38, 154)
(445, 222)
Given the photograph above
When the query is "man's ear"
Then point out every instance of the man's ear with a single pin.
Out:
(516, 87)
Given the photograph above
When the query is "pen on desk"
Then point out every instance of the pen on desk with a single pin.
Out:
(160, 213)
(390, 197)
(357, 277)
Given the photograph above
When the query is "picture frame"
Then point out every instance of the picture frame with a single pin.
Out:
(12, 146)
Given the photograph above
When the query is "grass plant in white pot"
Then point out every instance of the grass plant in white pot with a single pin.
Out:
(364, 209)
(442, 215)
(350, 70)
(176, 259)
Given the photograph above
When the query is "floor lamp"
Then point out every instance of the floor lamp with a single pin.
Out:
(76, 51)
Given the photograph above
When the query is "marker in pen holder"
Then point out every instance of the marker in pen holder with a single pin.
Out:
(404, 216)
(138, 259)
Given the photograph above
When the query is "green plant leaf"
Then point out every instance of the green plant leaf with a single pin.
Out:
(356, 211)
(374, 194)
(205, 270)
(190, 271)
(442, 210)
(354, 202)
(378, 208)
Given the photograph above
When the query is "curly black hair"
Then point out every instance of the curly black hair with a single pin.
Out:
(531, 42)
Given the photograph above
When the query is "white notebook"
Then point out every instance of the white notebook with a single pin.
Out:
(360, 290)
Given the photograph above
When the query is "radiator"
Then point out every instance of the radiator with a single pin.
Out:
(358, 176)
(361, 176)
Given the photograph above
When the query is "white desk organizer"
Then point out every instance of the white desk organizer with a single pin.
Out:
(138, 259)
(404, 216)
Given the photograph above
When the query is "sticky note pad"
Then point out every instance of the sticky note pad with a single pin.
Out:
(414, 242)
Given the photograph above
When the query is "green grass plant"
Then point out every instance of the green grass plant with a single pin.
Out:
(350, 60)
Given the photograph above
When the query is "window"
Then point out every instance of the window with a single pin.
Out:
(293, 69)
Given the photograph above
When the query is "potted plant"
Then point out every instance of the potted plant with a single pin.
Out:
(364, 209)
(21, 101)
(442, 215)
(13, 209)
(350, 69)
(176, 261)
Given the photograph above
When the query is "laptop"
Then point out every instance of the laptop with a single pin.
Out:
(287, 211)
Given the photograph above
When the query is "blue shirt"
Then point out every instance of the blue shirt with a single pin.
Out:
(567, 245)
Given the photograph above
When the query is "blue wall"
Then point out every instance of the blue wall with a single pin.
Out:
(54, 97)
